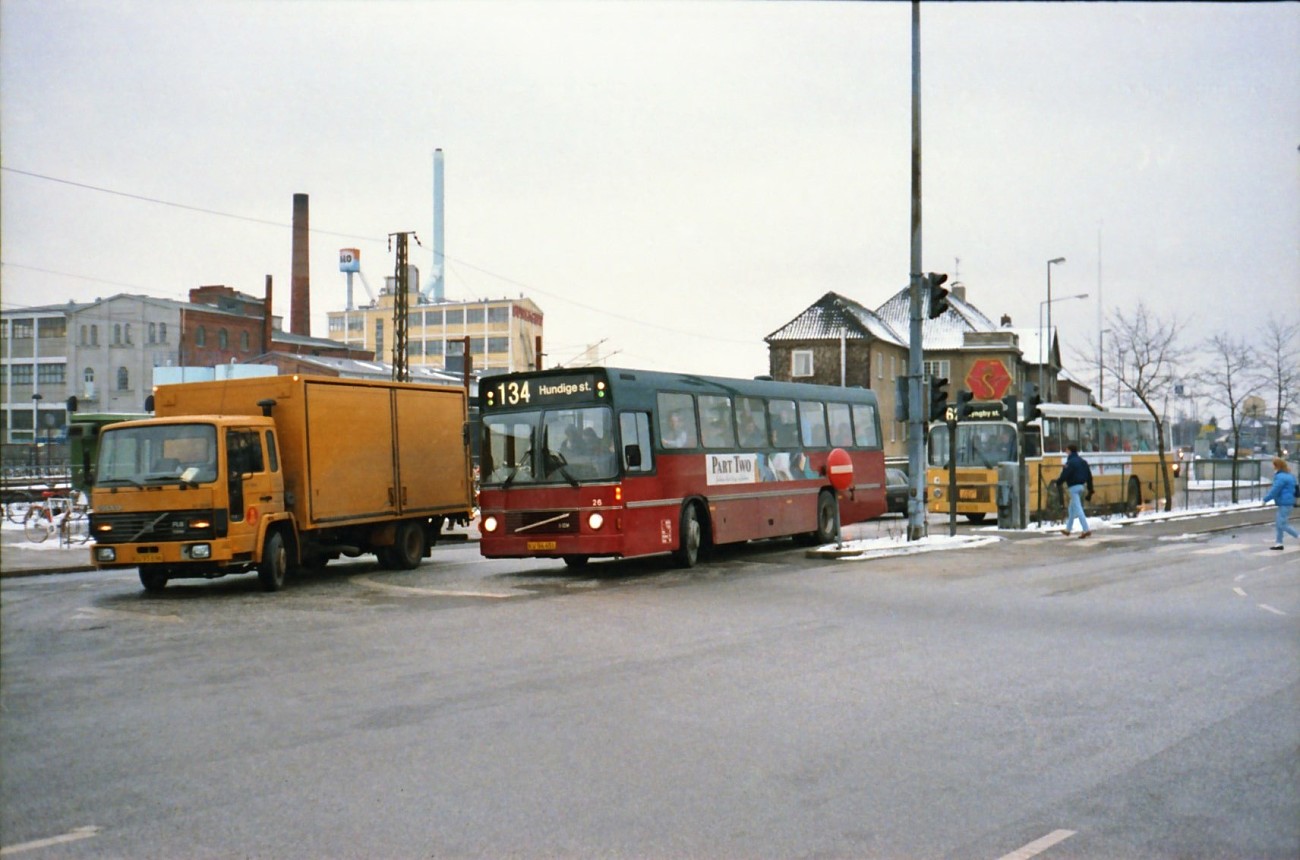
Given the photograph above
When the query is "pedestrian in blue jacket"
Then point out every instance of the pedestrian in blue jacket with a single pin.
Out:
(1282, 494)
(1077, 478)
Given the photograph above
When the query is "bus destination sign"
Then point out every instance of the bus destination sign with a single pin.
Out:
(542, 391)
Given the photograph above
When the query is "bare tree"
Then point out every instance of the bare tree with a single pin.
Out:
(1228, 379)
(1144, 356)
(1279, 354)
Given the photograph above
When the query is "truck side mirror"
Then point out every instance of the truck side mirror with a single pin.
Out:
(632, 455)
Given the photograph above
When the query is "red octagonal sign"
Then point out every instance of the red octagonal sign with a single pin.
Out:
(839, 468)
(988, 379)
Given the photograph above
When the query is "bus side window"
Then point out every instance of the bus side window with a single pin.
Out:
(841, 424)
(812, 421)
(751, 421)
(677, 420)
(717, 424)
(1128, 435)
(1051, 436)
(1087, 434)
(634, 428)
(866, 433)
(785, 428)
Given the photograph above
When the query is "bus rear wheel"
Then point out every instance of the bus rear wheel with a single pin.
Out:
(576, 562)
(975, 518)
(691, 537)
(1132, 498)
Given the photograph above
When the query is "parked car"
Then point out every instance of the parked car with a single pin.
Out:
(896, 491)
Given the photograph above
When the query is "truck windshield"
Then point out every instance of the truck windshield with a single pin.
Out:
(156, 454)
(549, 446)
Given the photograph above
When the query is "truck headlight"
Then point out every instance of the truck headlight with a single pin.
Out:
(200, 550)
(105, 553)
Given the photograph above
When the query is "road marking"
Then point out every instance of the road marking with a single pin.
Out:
(1241, 592)
(433, 592)
(1267, 608)
(73, 836)
(1218, 550)
(96, 613)
(1038, 846)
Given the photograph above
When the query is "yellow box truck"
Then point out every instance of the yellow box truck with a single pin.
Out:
(273, 474)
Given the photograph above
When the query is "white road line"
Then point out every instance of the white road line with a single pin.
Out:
(1239, 591)
(432, 592)
(1267, 608)
(1218, 550)
(1038, 846)
(73, 836)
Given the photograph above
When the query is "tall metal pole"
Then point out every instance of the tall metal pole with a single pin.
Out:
(1042, 392)
(915, 408)
(401, 306)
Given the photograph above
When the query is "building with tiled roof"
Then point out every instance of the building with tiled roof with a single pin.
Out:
(837, 341)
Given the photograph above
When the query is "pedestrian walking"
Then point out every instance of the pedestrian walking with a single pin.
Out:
(1282, 494)
(1077, 478)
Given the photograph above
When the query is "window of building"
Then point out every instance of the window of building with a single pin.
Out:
(21, 374)
(244, 342)
(82, 339)
(51, 374)
(433, 317)
(498, 315)
(89, 376)
(127, 334)
(22, 329)
(123, 379)
(379, 338)
(433, 347)
(413, 347)
(455, 316)
(223, 339)
(117, 334)
(474, 316)
(162, 332)
(200, 336)
(801, 363)
(52, 327)
(153, 333)
(937, 369)
(498, 344)
(893, 367)
(455, 347)
(880, 365)
(476, 346)
(94, 335)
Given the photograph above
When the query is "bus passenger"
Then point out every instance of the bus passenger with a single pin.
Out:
(675, 436)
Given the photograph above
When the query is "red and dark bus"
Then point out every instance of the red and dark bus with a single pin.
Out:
(605, 462)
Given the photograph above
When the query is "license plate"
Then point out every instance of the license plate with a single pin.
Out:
(968, 494)
(541, 544)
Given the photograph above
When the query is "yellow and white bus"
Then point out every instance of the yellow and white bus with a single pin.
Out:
(1120, 445)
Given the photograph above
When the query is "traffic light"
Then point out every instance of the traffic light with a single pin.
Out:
(938, 398)
(964, 397)
(937, 294)
(72, 403)
(1009, 408)
(1032, 400)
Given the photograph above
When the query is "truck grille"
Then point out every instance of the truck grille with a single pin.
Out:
(541, 522)
(152, 526)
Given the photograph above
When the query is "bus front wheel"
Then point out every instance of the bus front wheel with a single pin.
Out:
(690, 536)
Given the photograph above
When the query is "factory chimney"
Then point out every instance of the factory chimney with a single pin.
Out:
(300, 278)
(436, 279)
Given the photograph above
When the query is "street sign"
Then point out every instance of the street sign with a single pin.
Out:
(839, 468)
(988, 379)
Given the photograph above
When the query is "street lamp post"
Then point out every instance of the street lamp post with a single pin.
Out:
(1048, 304)
(1050, 263)
(36, 429)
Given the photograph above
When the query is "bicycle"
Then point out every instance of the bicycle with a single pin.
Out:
(17, 503)
(63, 515)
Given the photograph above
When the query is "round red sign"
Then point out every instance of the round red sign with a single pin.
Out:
(839, 468)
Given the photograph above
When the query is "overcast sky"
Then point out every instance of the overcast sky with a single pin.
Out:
(674, 180)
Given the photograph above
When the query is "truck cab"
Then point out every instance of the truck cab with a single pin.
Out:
(195, 492)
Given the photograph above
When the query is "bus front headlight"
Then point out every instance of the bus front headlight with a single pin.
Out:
(596, 520)
(490, 524)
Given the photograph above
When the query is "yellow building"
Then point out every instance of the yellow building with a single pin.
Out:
(503, 333)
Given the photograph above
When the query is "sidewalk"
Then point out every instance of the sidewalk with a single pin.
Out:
(20, 558)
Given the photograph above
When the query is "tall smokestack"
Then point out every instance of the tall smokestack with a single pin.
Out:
(438, 248)
(300, 279)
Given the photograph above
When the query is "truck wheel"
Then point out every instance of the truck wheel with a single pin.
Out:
(275, 563)
(408, 548)
(153, 578)
(691, 536)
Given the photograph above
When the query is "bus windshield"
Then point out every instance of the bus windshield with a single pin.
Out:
(549, 446)
(980, 445)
